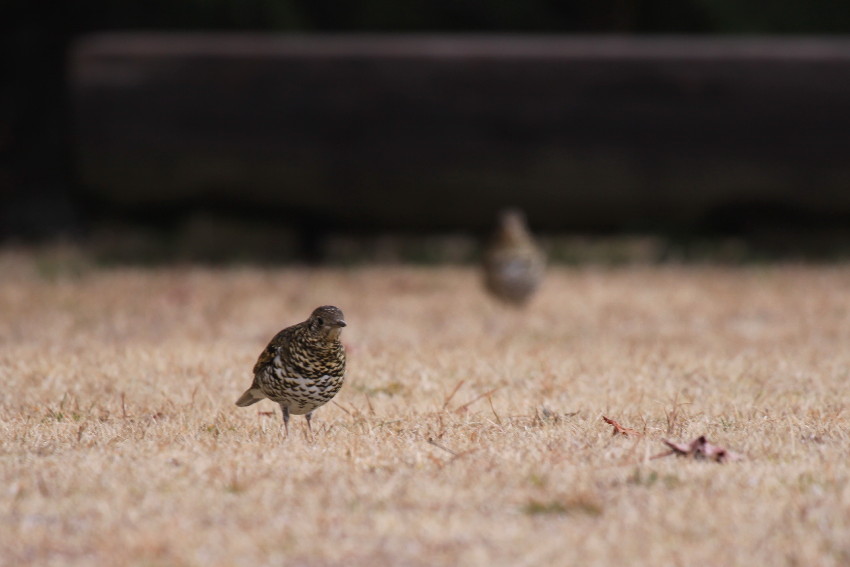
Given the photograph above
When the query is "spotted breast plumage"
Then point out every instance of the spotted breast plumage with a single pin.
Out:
(302, 367)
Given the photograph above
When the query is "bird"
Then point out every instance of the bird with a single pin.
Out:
(303, 366)
(513, 262)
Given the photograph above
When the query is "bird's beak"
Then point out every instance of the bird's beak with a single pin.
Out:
(340, 323)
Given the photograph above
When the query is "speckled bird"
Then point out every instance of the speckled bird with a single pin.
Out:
(513, 262)
(302, 367)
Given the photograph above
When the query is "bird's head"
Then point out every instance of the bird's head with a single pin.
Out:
(512, 226)
(326, 322)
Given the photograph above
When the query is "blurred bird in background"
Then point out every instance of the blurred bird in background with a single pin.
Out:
(513, 262)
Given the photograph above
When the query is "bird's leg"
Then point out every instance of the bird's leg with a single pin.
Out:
(285, 410)
(309, 416)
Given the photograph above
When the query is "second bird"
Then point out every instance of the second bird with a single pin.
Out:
(513, 263)
(302, 367)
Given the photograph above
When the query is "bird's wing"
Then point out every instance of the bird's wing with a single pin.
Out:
(279, 342)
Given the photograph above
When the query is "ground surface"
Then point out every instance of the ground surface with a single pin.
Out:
(120, 442)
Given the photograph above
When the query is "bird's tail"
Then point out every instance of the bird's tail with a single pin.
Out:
(251, 396)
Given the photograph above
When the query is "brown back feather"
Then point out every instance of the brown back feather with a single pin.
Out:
(280, 342)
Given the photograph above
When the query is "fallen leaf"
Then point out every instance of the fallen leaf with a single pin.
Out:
(699, 449)
(619, 429)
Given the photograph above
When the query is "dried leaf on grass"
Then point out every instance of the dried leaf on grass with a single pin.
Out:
(699, 449)
(619, 429)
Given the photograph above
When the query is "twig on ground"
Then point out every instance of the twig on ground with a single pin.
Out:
(452, 394)
(498, 419)
(369, 403)
(443, 447)
(455, 455)
(342, 408)
(472, 401)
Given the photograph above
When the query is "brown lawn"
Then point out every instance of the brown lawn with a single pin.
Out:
(466, 433)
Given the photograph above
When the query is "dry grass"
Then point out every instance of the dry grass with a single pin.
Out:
(466, 434)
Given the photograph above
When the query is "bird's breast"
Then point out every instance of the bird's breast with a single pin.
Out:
(309, 367)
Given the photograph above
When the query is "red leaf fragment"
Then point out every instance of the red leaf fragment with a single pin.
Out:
(700, 449)
(619, 429)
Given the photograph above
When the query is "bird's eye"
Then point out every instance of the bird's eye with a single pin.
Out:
(320, 321)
